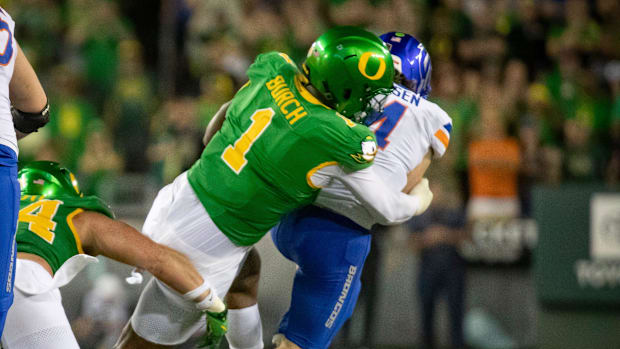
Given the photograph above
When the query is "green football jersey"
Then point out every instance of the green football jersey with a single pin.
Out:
(45, 226)
(258, 166)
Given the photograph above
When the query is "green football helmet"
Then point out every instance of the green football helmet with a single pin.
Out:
(47, 178)
(349, 66)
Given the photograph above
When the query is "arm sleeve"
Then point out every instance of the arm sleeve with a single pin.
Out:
(388, 206)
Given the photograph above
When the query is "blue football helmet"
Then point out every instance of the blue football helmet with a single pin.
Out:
(411, 61)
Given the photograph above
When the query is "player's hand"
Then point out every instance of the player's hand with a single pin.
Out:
(217, 325)
(424, 195)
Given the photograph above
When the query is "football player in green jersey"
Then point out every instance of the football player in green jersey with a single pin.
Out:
(286, 133)
(59, 230)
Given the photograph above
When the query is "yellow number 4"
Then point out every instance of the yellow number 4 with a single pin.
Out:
(39, 215)
(234, 155)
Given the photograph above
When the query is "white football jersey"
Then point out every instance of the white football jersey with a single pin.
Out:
(406, 130)
(8, 52)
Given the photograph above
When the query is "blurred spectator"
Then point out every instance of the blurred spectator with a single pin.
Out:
(303, 29)
(178, 141)
(104, 313)
(494, 160)
(99, 161)
(217, 89)
(263, 28)
(580, 159)
(72, 113)
(129, 107)
(95, 31)
(211, 37)
(514, 90)
(612, 74)
(462, 106)
(37, 19)
(437, 236)
(486, 43)
(352, 12)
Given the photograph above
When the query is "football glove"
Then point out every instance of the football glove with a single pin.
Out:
(217, 325)
(424, 195)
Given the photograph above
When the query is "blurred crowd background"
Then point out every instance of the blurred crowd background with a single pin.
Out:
(532, 86)
(133, 83)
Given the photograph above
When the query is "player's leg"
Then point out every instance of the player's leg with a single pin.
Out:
(455, 287)
(429, 284)
(36, 321)
(245, 330)
(162, 316)
(9, 209)
(330, 251)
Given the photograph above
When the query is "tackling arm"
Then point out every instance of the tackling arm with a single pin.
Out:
(387, 206)
(119, 241)
(216, 123)
(415, 176)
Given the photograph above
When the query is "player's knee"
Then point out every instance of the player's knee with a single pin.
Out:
(244, 290)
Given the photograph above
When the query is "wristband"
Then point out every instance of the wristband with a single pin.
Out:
(195, 293)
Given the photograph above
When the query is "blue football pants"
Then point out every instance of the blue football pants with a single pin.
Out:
(9, 209)
(330, 251)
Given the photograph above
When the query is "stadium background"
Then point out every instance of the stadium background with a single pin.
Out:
(132, 84)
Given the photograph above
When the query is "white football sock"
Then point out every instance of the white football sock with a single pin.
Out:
(245, 330)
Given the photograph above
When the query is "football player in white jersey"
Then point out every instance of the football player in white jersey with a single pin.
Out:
(23, 109)
(329, 241)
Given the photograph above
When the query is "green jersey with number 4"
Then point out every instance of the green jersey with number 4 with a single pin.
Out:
(276, 135)
(45, 226)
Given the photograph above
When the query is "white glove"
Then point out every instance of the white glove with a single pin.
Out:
(424, 195)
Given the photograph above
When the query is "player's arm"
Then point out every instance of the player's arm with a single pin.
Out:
(415, 176)
(30, 108)
(387, 206)
(101, 235)
(215, 124)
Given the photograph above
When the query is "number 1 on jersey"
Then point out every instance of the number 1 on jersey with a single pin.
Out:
(234, 155)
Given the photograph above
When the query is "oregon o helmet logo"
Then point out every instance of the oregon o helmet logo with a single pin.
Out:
(364, 62)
